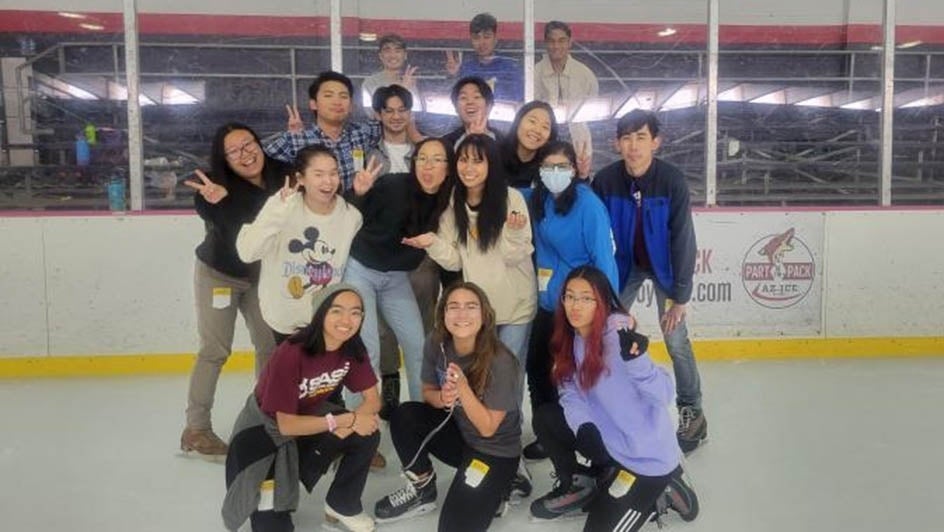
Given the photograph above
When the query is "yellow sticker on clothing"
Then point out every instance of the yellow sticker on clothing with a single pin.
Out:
(358, 155)
(621, 484)
(475, 473)
(222, 296)
(544, 278)
(267, 495)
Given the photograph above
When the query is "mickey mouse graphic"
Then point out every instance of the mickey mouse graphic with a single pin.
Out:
(318, 269)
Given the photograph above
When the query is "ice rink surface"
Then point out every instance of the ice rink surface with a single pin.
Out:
(812, 445)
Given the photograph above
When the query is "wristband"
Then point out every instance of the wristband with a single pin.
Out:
(353, 421)
(332, 423)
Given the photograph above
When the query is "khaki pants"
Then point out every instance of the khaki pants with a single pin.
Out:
(216, 321)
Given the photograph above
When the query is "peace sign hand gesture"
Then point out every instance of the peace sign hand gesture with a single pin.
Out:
(211, 192)
(453, 62)
(295, 124)
(408, 78)
(479, 125)
(288, 190)
(364, 179)
(584, 161)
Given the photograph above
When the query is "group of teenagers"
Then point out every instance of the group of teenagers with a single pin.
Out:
(489, 261)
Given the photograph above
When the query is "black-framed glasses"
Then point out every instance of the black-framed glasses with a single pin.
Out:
(236, 153)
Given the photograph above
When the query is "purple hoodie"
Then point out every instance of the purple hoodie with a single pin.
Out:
(629, 406)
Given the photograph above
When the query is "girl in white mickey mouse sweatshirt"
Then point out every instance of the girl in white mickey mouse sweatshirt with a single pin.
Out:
(303, 240)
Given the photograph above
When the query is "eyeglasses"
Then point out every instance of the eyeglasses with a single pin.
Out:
(556, 167)
(236, 153)
(390, 112)
(583, 301)
(423, 160)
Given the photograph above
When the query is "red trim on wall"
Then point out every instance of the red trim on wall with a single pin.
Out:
(22, 21)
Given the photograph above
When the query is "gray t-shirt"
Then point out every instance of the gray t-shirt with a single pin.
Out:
(502, 392)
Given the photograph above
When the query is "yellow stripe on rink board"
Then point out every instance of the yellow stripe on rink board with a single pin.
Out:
(705, 350)
(105, 365)
(801, 348)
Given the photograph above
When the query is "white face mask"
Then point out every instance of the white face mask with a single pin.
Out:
(556, 179)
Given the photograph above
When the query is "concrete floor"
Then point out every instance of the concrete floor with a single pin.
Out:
(833, 445)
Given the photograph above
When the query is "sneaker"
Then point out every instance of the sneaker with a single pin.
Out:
(416, 498)
(534, 452)
(678, 497)
(521, 484)
(354, 523)
(203, 442)
(390, 394)
(378, 462)
(564, 500)
(693, 428)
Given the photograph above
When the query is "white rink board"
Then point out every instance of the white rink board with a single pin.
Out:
(86, 285)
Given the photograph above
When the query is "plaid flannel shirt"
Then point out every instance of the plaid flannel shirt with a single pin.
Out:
(357, 140)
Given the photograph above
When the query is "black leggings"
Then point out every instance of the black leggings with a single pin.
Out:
(466, 508)
(624, 501)
(539, 361)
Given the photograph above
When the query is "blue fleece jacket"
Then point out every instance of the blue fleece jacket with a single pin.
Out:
(628, 404)
(564, 242)
(668, 229)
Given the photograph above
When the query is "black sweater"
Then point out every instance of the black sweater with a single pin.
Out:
(389, 216)
(224, 219)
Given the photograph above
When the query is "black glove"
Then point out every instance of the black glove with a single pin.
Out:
(590, 444)
(627, 339)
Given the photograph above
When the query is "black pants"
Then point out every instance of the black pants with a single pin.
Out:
(611, 508)
(466, 508)
(315, 454)
(539, 362)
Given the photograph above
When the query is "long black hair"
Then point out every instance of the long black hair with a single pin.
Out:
(565, 200)
(311, 336)
(510, 143)
(493, 210)
(221, 172)
(420, 219)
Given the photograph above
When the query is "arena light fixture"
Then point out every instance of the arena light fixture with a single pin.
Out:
(818, 101)
(367, 36)
(503, 112)
(667, 32)
(643, 99)
(440, 105)
(68, 14)
(91, 27)
(593, 109)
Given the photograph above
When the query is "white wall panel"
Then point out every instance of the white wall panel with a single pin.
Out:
(885, 274)
(22, 285)
(117, 284)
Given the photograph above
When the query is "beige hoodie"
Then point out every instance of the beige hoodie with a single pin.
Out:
(505, 272)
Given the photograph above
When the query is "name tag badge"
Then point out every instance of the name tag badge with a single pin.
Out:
(475, 473)
(544, 278)
(358, 159)
(267, 495)
(621, 484)
(222, 295)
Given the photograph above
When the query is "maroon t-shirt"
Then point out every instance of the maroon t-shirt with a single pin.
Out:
(294, 382)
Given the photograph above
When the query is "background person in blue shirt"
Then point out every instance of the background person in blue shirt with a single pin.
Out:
(503, 74)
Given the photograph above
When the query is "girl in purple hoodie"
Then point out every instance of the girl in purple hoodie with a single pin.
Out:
(613, 410)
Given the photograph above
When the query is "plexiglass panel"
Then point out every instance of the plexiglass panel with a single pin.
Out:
(799, 98)
(64, 131)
